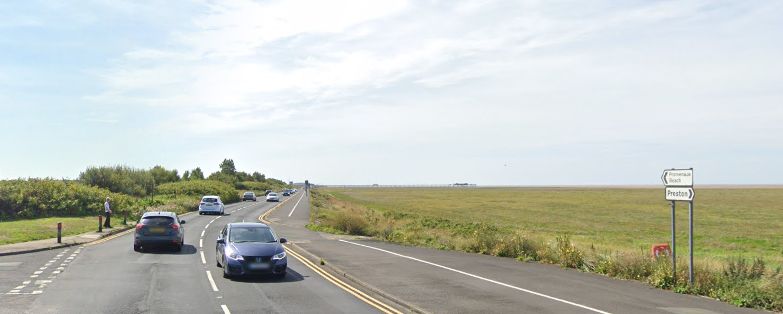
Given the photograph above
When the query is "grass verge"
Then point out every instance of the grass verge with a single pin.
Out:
(44, 228)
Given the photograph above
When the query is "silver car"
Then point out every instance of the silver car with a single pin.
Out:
(272, 197)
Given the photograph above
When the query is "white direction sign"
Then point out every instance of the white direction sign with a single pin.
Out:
(677, 177)
(679, 194)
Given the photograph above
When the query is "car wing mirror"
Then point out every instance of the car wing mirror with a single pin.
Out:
(221, 241)
(283, 240)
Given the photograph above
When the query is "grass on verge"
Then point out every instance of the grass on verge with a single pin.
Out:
(45, 228)
(607, 231)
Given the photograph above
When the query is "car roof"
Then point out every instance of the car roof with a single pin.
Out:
(215, 196)
(250, 192)
(247, 224)
(166, 214)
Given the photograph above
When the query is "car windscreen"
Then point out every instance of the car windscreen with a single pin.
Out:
(157, 221)
(272, 194)
(248, 193)
(251, 234)
(209, 200)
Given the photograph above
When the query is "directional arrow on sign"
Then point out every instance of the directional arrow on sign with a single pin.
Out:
(677, 177)
(680, 194)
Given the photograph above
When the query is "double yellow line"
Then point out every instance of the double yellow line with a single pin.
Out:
(337, 282)
(329, 277)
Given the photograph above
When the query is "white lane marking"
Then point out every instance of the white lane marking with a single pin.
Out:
(212, 281)
(14, 291)
(33, 276)
(479, 277)
(202, 232)
(200, 242)
(225, 309)
(37, 272)
(207, 226)
(26, 282)
(203, 261)
(37, 292)
(297, 204)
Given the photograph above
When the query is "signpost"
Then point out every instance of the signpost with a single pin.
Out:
(679, 187)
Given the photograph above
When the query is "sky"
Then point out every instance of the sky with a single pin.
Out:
(397, 92)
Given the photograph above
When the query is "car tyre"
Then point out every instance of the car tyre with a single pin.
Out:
(137, 248)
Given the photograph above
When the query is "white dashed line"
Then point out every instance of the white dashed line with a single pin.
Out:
(212, 281)
(225, 309)
(203, 260)
(200, 243)
(202, 232)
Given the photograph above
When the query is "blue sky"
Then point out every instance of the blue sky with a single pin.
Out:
(488, 92)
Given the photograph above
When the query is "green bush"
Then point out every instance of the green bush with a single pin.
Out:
(200, 188)
(119, 179)
(259, 187)
(35, 198)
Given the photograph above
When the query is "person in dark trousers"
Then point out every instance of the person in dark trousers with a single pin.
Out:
(107, 213)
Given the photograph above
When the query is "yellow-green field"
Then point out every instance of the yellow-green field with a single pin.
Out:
(729, 222)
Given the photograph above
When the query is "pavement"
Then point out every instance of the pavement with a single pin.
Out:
(51, 244)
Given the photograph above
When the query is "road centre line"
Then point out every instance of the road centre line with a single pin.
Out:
(200, 243)
(203, 260)
(346, 287)
(212, 281)
(202, 232)
(297, 204)
(481, 278)
(225, 309)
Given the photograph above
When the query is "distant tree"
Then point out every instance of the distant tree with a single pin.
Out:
(258, 177)
(162, 175)
(196, 174)
(228, 167)
(186, 175)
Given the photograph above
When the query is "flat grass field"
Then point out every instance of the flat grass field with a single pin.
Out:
(46, 228)
(729, 222)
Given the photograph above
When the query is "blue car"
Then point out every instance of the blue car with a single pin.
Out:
(250, 249)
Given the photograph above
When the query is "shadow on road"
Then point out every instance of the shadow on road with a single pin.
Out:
(290, 276)
(187, 249)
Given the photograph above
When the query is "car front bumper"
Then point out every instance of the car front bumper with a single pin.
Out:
(251, 267)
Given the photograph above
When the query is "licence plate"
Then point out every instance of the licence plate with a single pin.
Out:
(258, 266)
(157, 230)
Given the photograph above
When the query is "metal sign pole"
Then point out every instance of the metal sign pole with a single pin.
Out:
(690, 242)
(674, 248)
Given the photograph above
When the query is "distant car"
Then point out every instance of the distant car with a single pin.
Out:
(211, 204)
(249, 196)
(287, 193)
(272, 197)
(250, 248)
(293, 191)
(267, 192)
(159, 229)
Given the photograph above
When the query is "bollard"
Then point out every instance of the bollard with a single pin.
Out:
(59, 232)
(100, 223)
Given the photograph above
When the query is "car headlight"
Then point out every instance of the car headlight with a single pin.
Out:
(233, 254)
(279, 256)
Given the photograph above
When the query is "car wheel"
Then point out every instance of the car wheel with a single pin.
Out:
(179, 247)
(137, 248)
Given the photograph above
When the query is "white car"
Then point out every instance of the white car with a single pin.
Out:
(211, 204)
(272, 197)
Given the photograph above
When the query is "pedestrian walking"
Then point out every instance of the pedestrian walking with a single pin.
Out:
(107, 213)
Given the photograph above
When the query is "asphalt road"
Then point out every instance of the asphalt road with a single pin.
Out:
(109, 277)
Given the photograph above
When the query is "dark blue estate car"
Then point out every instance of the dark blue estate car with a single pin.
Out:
(250, 248)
